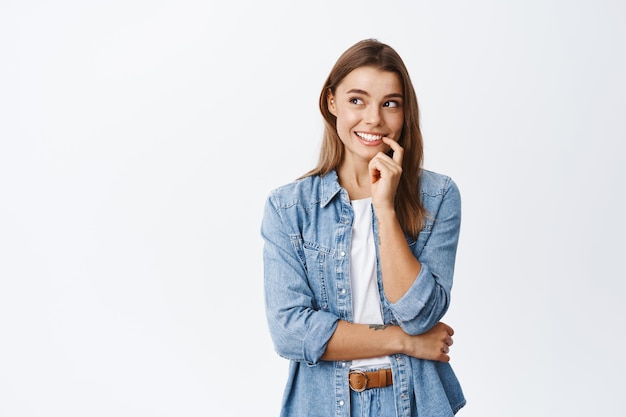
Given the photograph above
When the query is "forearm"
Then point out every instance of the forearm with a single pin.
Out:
(359, 341)
(399, 266)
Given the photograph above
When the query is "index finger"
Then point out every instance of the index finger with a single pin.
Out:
(398, 151)
(448, 329)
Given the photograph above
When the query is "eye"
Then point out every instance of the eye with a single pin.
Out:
(356, 100)
(391, 104)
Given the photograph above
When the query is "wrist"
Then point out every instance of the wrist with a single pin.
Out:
(398, 342)
(385, 211)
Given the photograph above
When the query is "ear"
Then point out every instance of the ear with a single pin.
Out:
(330, 102)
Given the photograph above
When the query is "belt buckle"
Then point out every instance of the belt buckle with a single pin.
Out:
(358, 372)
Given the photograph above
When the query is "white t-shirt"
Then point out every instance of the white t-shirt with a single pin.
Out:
(366, 305)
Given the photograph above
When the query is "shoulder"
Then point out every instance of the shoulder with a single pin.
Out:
(435, 184)
(306, 191)
(288, 194)
(439, 194)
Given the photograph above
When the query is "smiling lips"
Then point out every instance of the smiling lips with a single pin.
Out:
(369, 138)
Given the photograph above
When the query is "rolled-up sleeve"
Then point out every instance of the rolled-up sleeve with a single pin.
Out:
(298, 330)
(428, 299)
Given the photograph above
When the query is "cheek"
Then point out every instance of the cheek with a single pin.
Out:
(396, 124)
(345, 120)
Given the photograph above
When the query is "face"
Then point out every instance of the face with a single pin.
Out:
(368, 106)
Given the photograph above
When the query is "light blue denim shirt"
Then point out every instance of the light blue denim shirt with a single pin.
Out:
(306, 230)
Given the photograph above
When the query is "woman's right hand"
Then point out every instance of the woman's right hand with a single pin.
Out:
(432, 345)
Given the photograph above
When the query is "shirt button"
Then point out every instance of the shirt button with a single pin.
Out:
(343, 290)
(342, 254)
(343, 364)
(340, 402)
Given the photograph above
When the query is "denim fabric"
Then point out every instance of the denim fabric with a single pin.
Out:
(306, 229)
(375, 402)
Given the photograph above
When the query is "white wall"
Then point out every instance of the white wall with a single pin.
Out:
(139, 139)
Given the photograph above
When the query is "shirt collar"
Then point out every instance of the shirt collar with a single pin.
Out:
(330, 187)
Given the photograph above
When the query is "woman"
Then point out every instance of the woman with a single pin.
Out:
(359, 255)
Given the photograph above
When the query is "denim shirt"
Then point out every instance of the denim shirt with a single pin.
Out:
(306, 229)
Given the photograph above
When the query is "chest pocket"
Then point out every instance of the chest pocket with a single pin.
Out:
(317, 261)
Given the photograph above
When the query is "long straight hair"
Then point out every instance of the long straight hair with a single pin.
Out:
(372, 53)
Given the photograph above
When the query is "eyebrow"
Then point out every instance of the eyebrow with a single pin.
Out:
(365, 93)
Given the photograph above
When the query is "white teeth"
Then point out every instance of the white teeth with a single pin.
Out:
(368, 137)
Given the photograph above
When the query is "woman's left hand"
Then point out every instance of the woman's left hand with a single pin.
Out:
(385, 173)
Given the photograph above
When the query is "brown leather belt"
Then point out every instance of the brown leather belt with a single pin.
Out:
(360, 381)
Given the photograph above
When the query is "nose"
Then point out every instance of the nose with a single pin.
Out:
(373, 116)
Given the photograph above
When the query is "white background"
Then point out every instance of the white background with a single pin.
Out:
(139, 139)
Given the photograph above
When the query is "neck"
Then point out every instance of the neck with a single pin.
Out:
(355, 182)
